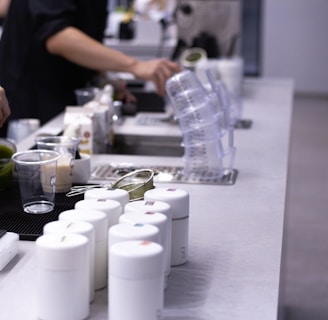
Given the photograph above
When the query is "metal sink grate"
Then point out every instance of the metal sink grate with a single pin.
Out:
(112, 172)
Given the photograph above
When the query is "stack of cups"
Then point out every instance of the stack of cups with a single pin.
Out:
(201, 122)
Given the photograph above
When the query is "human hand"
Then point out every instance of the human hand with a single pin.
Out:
(156, 70)
(4, 107)
(121, 91)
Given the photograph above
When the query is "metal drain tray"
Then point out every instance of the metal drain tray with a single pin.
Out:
(112, 172)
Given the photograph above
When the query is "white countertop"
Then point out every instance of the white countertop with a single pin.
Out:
(235, 231)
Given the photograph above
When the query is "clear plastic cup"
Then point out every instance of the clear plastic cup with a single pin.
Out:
(203, 167)
(208, 151)
(209, 170)
(84, 95)
(197, 117)
(188, 100)
(182, 81)
(206, 132)
(36, 172)
(66, 147)
(19, 129)
(206, 169)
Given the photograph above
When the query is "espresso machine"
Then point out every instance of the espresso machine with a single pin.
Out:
(213, 25)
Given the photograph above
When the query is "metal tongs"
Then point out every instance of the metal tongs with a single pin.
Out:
(77, 190)
(136, 183)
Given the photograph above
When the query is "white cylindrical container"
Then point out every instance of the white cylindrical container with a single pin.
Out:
(154, 206)
(179, 202)
(77, 227)
(112, 208)
(120, 195)
(136, 289)
(138, 231)
(62, 277)
(231, 73)
(159, 220)
(99, 221)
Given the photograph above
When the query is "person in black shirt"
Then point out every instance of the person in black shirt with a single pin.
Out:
(51, 47)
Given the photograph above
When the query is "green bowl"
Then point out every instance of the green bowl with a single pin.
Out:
(7, 149)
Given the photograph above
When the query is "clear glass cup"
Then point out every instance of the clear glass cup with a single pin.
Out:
(36, 172)
(202, 133)
(85, 95)
(188, 100)
(209, 150)
(181, 82)
(19, 129)
(202, 115)
(66, 147)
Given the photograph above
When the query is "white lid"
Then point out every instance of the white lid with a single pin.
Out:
(106, 205)
(58, 251)
(120, 195)
(149, 206)
(138, 231)
(66, 226)
(135, 260)
(153, 218)
(97, 218)
(178, 199)
(112, 208)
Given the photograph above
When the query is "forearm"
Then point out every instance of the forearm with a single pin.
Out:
(4, 5)
(79, 48)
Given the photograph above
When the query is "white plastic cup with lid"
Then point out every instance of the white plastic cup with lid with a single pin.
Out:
(81, 170)
(136, 276)
(111, 208)
(178, 199)
(99, 221)
(230, 71)
(137, 231)
(159, 220)
(154, 206)
(62, 277)
(120, 195)
(77, 227)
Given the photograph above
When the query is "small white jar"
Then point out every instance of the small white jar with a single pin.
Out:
(136, 289)
(77, 227)
(112, 208)
(125, 232)
(120, 195)
(154, 206)
(62, 277)
(99, 221)
(178, 199)
(158, 220)
(230, 71)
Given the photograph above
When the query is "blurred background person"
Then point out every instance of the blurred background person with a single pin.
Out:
(49, 48)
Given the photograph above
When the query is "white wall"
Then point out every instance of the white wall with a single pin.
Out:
(295, 42)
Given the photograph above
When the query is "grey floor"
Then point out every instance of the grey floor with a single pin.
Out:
(305, 256)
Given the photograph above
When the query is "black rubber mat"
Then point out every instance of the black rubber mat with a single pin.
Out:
(29, 226)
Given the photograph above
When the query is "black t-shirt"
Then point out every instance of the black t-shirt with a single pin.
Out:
(37, 83)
